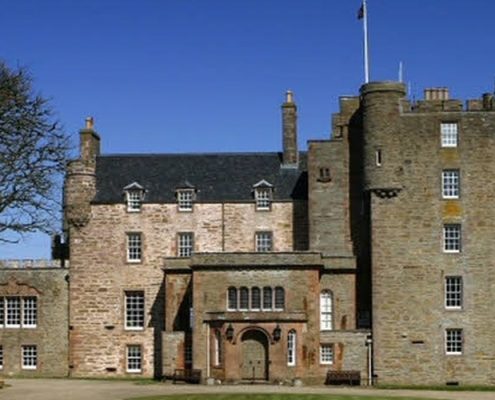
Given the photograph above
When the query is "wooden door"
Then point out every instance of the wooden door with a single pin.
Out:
(254, 356)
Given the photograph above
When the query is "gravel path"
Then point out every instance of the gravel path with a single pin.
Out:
(78, 389)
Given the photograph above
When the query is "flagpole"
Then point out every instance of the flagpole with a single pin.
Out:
(365, 31)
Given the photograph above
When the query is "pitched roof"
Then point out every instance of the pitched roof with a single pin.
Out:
(215, 177)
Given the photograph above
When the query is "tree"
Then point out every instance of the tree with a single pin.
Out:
(33, 155)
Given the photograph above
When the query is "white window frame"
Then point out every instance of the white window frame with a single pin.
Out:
(326, 353)
(452, 238)
(449, 132)
(263, 197)
(185, 199)
(453, 292)
(454, 341)
(29, 312)
(291, 348)
(134, 359)
(450, 184)
(134, 199)
(134, 247)
(29, 356)
(13, 311)
(185, 244)
(134, 304)
(264, 241)
(326, 310)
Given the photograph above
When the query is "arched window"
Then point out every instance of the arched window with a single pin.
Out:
(291, 348)
(267, 298)
(218, 355)
(326, 317)
(279, 298)
(243, 298)
(255, 298)
(232, 299)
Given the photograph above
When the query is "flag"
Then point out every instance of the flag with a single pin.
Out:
(360, 14)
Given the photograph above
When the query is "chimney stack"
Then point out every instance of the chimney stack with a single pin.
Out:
(89, 141)
(289, 131)
(437, 93)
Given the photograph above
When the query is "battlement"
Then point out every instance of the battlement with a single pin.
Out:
(31, 264)
(438, 100)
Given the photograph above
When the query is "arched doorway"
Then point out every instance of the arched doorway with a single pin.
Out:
(254, 355)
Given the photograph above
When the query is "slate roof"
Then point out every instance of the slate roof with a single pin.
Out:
(216, 177)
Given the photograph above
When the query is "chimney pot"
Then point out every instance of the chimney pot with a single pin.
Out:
(289, 97)
(90, 123)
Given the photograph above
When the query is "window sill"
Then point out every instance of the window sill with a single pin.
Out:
(134, 261)
(134, 371)
(326, 362)
(130, 329)
(28, 368)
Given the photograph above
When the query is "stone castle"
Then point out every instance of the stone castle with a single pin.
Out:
(369, 253)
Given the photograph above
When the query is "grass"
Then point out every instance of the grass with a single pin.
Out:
(461, 388)
(267, 396)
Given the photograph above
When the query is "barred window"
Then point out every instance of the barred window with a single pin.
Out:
(263, 241)
(1, 357)
(326, 354)
(29, 357)
(449, 134)
(326, 310)
(243, 298)
(134, 310)
(291, 348)
(18, 312)
(263, 198)
(232, 298)
(453, 292)
(450, 184)
(453, 341)
(2, 311)
(452, 238)
(134, 244)
(255, 298)
(279, 298)
(185, 200)
(186, 244)
(134, 358)
(267, 298)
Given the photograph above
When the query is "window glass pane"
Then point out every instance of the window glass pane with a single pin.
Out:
(326, 354)
(279, 298)
(29, 357)
(30, 311)
(133, 200)
(244, 298)
(263, 198)
(453, 292)
(232, 299)
(449, 134)
(452, 238)
(255, 298)
(453, 341)
(450, 184)
(326, 310)
(185, 200)
(134, 312)
(263, 241)
(267, 298)
(134, 361)
(134, 247)
(291, 348)
(2, 311)
(13, 307)
(186, 244)
(1, 357)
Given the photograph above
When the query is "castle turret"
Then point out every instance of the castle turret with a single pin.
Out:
(80, 183)
(381, 103)
(289, 131)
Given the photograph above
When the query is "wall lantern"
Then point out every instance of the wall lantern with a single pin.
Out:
(277, 333)
(229, 333)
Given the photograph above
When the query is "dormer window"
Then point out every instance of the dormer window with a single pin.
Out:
(134, 194)
(185, 199)
(263, 195)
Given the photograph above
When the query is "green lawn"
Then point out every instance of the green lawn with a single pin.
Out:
(268, 396)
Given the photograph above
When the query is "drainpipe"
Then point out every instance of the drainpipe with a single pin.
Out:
(369, 345)
(207, 350)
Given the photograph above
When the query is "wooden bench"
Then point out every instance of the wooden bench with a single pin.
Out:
(187, 375)
(343, 378)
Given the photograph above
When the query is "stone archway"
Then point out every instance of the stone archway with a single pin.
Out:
(254, 364)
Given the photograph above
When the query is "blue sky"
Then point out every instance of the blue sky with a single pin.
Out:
(209, 75)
